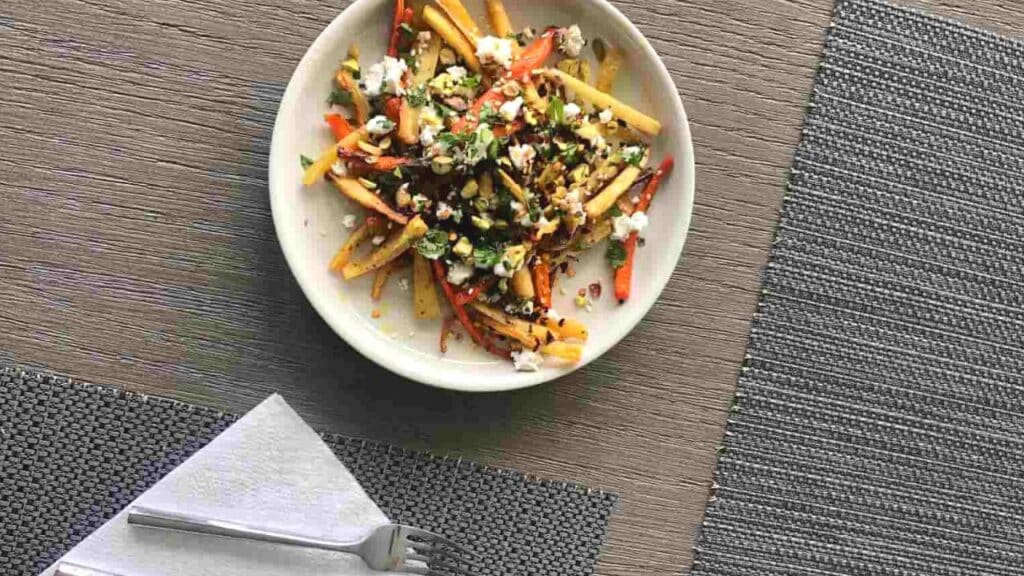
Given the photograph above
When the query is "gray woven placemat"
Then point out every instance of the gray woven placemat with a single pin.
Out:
(879, 427)
(72, 455)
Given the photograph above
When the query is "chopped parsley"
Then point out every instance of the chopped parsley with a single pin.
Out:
(340, 97)
(417, 97)
(615, 211)
(556, 110)
(451, 139)
(486, 256)
(616, 254)
(433, 245)
(471, 81)
(306, 161)
(571, 154)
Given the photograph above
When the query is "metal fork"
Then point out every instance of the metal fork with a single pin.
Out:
(388, 547)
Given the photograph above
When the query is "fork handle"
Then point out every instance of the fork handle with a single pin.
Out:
(140, 516)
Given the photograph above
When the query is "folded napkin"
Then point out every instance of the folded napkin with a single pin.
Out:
(269, 469)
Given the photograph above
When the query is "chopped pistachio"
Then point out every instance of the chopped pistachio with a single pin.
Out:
(447, 56)
(580, 173)
(463, 247)
(470, 189)
(480, 222)
(441, 164)
(500, 224)
(402, 197)
(368, 184)
(351, 65)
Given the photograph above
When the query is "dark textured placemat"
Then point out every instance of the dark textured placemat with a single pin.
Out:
(72, 455)
(880, 418)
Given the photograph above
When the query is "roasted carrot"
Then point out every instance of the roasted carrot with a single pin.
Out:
(463, 316)
(393, 109)
(533, 56)
(469, 294)
(396, 26)
(624, 274)
(542, 282)
(339, 125)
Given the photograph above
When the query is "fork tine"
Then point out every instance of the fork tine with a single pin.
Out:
(414, 569)
(449, 569)
(432, 538)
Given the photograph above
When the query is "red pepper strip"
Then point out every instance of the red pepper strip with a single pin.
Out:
(470, 294)
(624, 274)
(393, 109)
(339, 126)
(533, 56)
(396, 24)
(463, 317)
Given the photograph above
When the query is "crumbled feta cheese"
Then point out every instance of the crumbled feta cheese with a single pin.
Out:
(385, 76)
(420, 203)
(349, 221)
(606, 115)
(493, 49)
(427, 134)
(623, 226)
(516, 206)
(403, 284)
(522, 156)
(633, 154)
(379, 239)
(526, 360)
(599, 142)
(502, 271)
(553, 315)
(509, 110)
(524, 307)
(635, 199)
(424, 36)
(570, 41)
(458, 73)
(571, 111)
(542, 223)
(459, 272)
(444, 211)
(379, 125)
(339, 168)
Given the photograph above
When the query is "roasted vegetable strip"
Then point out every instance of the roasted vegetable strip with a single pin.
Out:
(424, 295)
(440, 23)
(339, 126)
(624, 274)
(396, 28)
(599, 99)
(460, 313)
(600, 204)
(372, 226)
(392, 248)
(463, 21)
(380, 280)
(542, 283)
(498, 18)
(356, 191)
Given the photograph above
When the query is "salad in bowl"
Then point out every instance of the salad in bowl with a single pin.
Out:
(488, 161)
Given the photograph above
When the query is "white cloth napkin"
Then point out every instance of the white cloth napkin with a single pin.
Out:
(269, 469)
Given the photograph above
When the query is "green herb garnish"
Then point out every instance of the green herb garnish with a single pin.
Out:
(433, 245)
(306, 161)
(615, 211)
(616, 254)
(340, 97)
(556, 110)
(633, 155)
(486, 256)
(417, 97)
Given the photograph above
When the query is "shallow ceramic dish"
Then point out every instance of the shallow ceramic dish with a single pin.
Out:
(308, 220)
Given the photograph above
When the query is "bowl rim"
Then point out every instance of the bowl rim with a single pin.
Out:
(470, 382)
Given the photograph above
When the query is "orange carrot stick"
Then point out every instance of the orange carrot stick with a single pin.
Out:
(396, 24)
(542, 283)
(339, 126)
(624, 274)
(460, 313)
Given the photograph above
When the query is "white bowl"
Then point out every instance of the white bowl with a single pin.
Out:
(308, 220)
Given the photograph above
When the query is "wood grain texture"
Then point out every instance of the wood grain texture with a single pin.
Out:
(137, 246)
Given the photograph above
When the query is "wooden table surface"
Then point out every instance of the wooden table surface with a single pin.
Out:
(137, 249)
